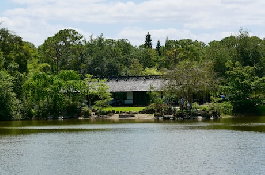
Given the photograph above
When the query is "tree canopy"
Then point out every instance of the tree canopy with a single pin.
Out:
(54, 77)
(190, 78)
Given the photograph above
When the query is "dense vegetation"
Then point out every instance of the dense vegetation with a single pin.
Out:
(56, 77)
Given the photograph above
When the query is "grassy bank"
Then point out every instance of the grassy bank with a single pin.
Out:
(124, 109)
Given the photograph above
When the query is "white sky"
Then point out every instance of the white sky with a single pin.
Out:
(203, 20)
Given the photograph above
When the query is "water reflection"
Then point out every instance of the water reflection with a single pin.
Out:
(256, 124)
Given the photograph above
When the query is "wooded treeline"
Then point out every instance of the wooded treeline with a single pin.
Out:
(53, 78)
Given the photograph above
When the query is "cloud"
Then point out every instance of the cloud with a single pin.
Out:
(35, 20)
(190, 13)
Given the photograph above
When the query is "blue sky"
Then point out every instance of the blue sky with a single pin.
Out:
(203, 20)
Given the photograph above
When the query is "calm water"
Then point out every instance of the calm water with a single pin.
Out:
(226, 146)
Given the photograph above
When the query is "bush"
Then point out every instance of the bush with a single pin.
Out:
(204, 108)
(86, 112)
(195, 106)
(247, 106)
(72, 108)
(225, 108)
(157, 108)
(261, 110)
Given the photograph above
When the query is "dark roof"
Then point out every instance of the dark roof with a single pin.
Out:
(135, 83)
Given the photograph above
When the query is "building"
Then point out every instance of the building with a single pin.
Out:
(132, 90)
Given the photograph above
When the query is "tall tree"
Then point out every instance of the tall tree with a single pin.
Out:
(158, 46)
(148, 41)
(58, 50)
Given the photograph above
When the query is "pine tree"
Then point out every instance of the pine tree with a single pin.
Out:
(148, 41)
(158, 46)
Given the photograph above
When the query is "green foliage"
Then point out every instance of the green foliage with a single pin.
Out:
(58, 50)
(61, 94)
(51, 80)
(176, 51)
(205, 108)
(242, 48)
(158, 109)
(2, 60)
(225, 107)
(104, 96)
(135, 68)
(86, 112)
(9, 104)
(190, 78)
(241, 85)
(158, 46)
(195, 106)
(155, 97)
(106, 57)
(148, 41)
(151, 71)
(261, 110)
(14, 52)
(147, 57)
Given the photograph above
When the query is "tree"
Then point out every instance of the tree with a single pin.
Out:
(136, 68)
(148, 41)
(247, 50)
(58, 50)
(190, 78)
(107, 57)
(14, 55)
(147, 57)
(242, 83)
(14, 52)
(9, 104)
(63, 94)
(219, 53)
(51, 94)
(158, 46)
(92, 87)
(185, 49)
(36, 95)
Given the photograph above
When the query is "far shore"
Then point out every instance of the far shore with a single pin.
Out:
(136, 116)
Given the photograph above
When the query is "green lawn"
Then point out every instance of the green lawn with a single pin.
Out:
(124, 109)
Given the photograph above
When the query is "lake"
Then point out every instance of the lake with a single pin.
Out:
(113, 147)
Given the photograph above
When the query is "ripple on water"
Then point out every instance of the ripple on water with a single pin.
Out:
(135, 148)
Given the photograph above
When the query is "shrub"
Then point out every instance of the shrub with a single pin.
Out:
(204, 108)
(195, 106)
(157, 108)
(225, 108)
(86, 112)
(72, 108)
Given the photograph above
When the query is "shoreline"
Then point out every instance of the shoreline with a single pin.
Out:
(136, 116)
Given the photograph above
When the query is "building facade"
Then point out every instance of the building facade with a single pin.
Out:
(132, 90)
